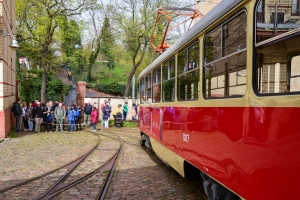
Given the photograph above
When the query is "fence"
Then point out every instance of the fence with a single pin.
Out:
(97, 101)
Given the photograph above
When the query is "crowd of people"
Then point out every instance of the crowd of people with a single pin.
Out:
(36, 114)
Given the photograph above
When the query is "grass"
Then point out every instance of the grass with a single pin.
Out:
(128, 124)
(12, 133)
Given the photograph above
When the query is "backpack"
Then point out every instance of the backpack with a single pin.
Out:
(49, 118)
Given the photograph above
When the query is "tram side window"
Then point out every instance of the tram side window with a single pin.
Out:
(168, 85)
(148, 88)
(142, 91)
(188, 78)
(277, 51)
(225, 71)
(277, 67)
(156, 80)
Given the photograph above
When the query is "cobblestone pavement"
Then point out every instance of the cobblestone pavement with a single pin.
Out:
(30, 155)
(141, 175)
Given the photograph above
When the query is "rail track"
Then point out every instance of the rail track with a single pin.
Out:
(99, 161)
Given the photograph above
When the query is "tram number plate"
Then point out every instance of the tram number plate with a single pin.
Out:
(186, 137)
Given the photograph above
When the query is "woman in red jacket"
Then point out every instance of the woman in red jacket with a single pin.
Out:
(94, 118)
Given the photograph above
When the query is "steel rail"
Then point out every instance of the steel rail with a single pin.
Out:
(47, 173)
(59, 186)
(103, 191)
(70, 168)
(109, 165)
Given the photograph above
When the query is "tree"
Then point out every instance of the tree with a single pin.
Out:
(134, 22)
(71, 44)
(94, 17)
(107, 43)
(37, 22)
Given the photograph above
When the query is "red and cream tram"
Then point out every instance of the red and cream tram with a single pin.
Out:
(224, 101)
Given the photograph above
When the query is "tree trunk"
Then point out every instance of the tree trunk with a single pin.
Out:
(135, 66)
(44, 84)
(129, 81)
(44, 76)
(89, 75)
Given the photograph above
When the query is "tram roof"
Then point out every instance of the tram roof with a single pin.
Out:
(207, 20)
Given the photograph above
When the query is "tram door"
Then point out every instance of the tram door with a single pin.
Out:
(156, 123)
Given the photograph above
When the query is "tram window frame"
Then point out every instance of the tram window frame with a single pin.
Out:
(156, 82)
(188, 75)
(148, 88)
(237, 59)
(279, 73)
(142, 90)
(168, 79)
(273, 60)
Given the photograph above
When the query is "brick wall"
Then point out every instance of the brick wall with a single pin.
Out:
(7, 66)
(7, 121)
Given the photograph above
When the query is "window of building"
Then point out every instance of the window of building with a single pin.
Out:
(156, 80)
(295, 7)
(276, 17)
(188, 74)
(168, 85)
(225, 59)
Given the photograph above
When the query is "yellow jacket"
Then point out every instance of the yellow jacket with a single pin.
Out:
(115, 110)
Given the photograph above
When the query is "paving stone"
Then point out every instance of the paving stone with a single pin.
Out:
(34, 154)
(139, 173)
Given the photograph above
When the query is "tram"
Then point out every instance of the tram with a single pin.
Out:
(223, 102)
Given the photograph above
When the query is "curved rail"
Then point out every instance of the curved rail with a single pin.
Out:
(59, 186)
(52, 171)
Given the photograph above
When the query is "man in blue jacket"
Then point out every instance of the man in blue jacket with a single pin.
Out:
(72, 116)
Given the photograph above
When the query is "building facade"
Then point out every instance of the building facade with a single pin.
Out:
(7, 66)
(205, 6)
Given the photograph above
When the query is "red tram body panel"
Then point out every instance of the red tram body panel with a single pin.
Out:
(250, 150)
(224, 100)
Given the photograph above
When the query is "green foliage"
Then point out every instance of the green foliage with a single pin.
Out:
(73, 54)
(112, 88)
(107, 42)
(130, 124)
(30, 87)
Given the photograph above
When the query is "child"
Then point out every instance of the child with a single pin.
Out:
(94, 118)
(133, 114)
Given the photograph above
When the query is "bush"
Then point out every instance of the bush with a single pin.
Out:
(31, 83)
